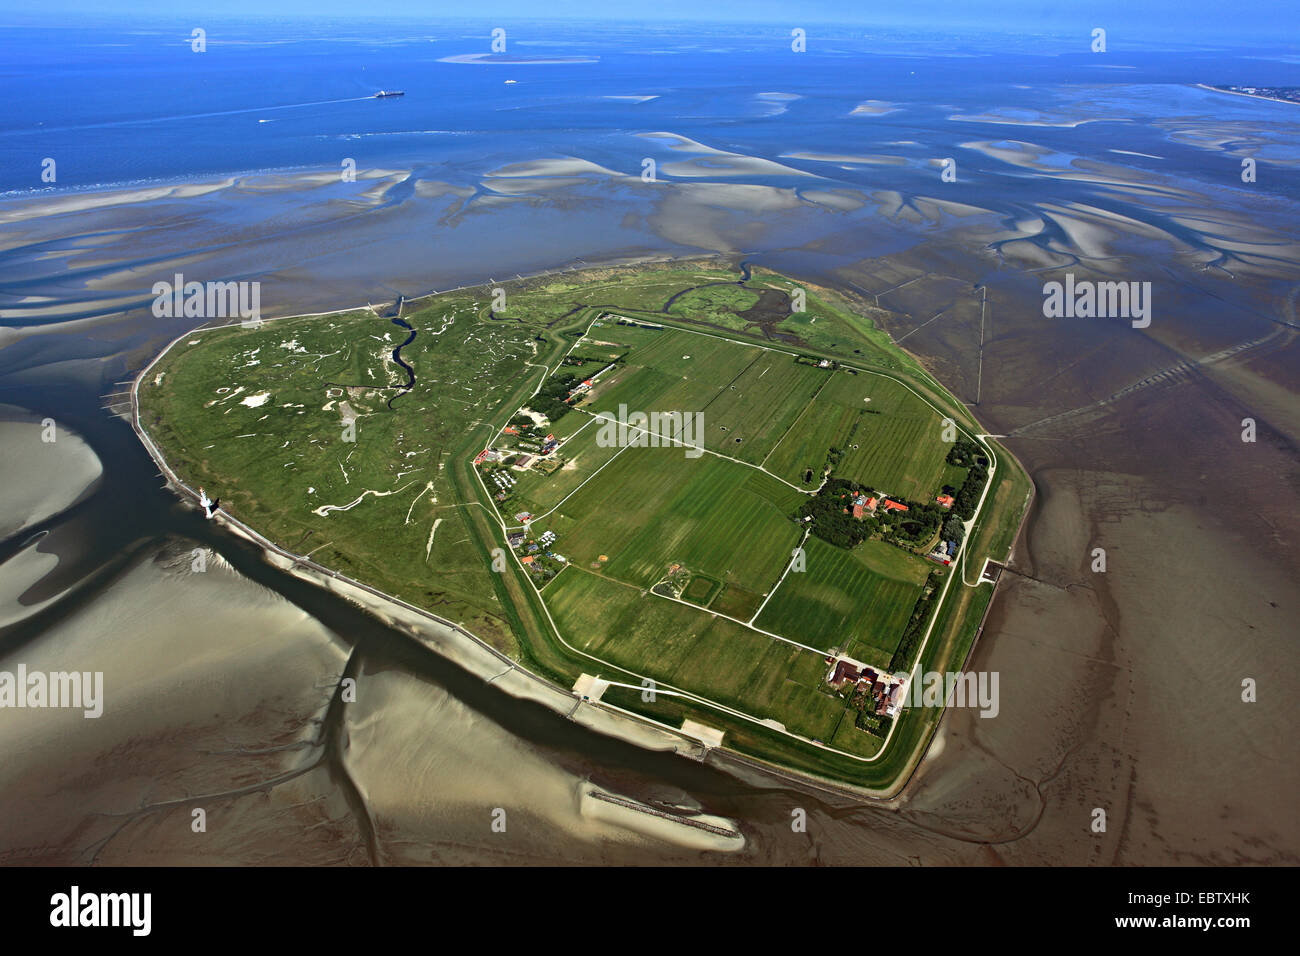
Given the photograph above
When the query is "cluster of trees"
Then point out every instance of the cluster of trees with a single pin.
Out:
(833, 459)
(907, 647)
(829, 522)
(914, 526)
(551, 401)
(969, 495)
(964, 453)
(953, 529)
(584, 359)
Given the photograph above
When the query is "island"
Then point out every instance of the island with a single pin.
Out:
(695, 497)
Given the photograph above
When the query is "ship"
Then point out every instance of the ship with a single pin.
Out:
(382, 93)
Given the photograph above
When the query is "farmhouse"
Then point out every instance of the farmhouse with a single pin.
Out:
(885, 693)
(944, 501)
(578, 389)
(842, 671)
(894, 506)
(863, 505)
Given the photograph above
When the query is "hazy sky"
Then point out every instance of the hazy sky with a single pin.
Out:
(1277, 21)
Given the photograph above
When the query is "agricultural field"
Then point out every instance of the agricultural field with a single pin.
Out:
(747, 418)
(651, 508)
(681, 648)
(717, 531)
(389, 448)
(582, 457)
(891, 440)
(855, 601)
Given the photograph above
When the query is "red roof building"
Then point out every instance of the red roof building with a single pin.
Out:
(894, 506)
(944, 501)
(844, 670)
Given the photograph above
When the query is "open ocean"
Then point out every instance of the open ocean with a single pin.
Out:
(115, 104)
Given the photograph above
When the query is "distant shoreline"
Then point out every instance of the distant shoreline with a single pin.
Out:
(1253, 96)
(505, 59)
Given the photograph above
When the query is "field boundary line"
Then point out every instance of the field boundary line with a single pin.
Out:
(575, 490)
(789, 565)
(697, 607)
(700, 448)
(802, 412)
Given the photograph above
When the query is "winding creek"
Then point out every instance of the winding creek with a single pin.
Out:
(397, 357)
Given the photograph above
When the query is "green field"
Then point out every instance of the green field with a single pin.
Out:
(891, 439)
(857, 601)
(539, 493)
(718, 304)
(278, 461)
(260, 418)
(653, 507)
(680, 647)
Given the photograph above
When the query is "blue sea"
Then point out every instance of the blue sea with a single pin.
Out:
(123, 102)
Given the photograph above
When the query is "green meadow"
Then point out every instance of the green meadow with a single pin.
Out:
(858, 601)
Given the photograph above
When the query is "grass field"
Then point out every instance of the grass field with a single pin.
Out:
(679, 646)
(701, 590)
(748, 417)
(800, 456)
(892, 440)
(718, 304)
(255, 416)
(857, 601)
(653, 507)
